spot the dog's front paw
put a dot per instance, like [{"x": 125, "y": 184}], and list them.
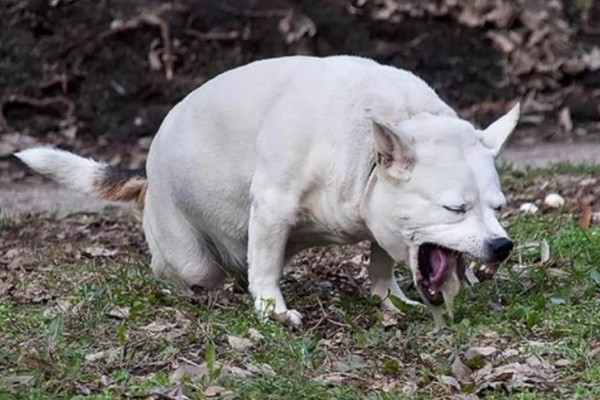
[
  {"x": 289, "y": 317},
  {"x": 267, "y": 309}
]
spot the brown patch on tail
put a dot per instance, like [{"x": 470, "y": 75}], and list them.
[{"x": 123, "y": 185}]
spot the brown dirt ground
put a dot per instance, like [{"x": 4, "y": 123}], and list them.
[{"x": 95, "y": 75}]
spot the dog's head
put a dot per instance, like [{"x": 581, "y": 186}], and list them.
[{"x": 435, "y": 187}]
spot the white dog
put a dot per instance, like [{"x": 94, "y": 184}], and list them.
[{"x": 280, "y": 155}]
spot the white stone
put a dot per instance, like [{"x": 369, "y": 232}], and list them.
[
  {"x": 554, "y": 200},
  {"x": 528, "y": 208}
]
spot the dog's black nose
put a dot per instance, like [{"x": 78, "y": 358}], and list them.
[{"x": 500, "y": 248}]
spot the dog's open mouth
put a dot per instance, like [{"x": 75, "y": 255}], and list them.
[{"x": 435, "y": 263}]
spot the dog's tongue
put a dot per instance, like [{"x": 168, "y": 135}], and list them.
[{"x": 439, "y": 263}]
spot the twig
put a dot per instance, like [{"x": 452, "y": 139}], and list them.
[
  {"x": 272, "y": 13},
  {"x": 69, "y": 114},
  {"x": 41, "y": 103},
  {"x": 222, "y": 36},
  {"x": 62, "y": 79},
  {"x": 152, "y": 20}
]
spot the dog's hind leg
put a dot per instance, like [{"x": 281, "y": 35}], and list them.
[
  {"x": 383, "y": 282},
  {"x": 179, "y": 253}
]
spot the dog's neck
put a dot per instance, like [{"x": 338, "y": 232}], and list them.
[{"x": 368, "y": 189}]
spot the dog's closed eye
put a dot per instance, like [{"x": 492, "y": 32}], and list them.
[{"x": 457, "y": 209}]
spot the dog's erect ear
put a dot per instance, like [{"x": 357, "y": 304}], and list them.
[
  {"x": 394, "y": 151},
  {"x": 495, "y": 135}
]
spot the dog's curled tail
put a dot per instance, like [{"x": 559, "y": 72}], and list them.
[{"x": 87, "y": 175}]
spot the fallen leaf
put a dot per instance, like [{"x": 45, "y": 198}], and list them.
[
  {"x": 485, "y": 352},
  {"x": 427, "y": 358},
  {"x": 586, "y": 217},
  {"x": 536, "y": 372},
  {"x": 450, "y": 382},
  {"x": 502, "y": 41},
  {"x": 196, "y": 371},
  {"x": 255, "y": 335},
  {"x": 109, "y": 355},
  {"x": 333, "y": 378},
  {"x": 84, "y": 390},
  {"x": 490, "y": 334},
  {"x": 189, "y": 370},
  {"x": 31, "y": 359},
  {"x": 63, "y": 306},
  {"x": 510, "y": 353},
  {"x": 409, "y": 388},
  {"x": 354, "y": 362},
  {"x": 460, "y": 370},
  {"x": 238, "y": 343},
  {"x": 261, "y": 369},
  {"x": 157, "y": 327},
  {"x": 174, "y": 392},
  {"x": 236, "y": 372},
  {"x": 214, "y": 391},
  {"x": 563, "y": 362},
  {"x": 294, "y": 26},
  {"x": 588, "y": 182},
  {"x": 118, "y": 312},
  {"x": 15, "y": 383},
  {"x": 538, "y": 362},
  {"x": 389, "y": 318},
  {"x": 544, "y": 251}
]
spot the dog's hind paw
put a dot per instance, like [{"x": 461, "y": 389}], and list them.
[{"x": 289, "y": 317}]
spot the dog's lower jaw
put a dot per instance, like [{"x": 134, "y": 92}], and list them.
[
  {"x": 383, "y": 281},
  {"x": 449, "y": 289}
]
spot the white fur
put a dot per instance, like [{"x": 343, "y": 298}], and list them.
[
  {"x": 276, "y": 156},
  {"x": 496, "y": 134},
  {"x": 64, "y": 167}
]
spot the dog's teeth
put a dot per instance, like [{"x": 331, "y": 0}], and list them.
[{"x": 432, "y": 292}]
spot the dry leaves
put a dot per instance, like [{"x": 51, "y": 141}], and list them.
[
  {"x": 118, "y": 312},
  {"x": 538, "y": 41},
  {"x": 15, "y": 383},
  {"x": 534, "y": 371},
  {"x": 255, "y": 335},
  {"x": 294, "y": 26},
  {"x": 189, "y": 369},
  {"x": 238, "y": 343},
  {"x": 585, "y": 219},
  {"x": 109, "y": 356},
  {"x": 214, "y": 391}
]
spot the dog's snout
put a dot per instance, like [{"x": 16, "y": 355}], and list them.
[{"x": 500, "y": 248}]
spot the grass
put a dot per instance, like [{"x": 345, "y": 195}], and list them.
[{"x": 61, "y": 338}]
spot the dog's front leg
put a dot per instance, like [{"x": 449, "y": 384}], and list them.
[
  {"x": 383, "y": 281},
  {"x": 270, "y": 222}
]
